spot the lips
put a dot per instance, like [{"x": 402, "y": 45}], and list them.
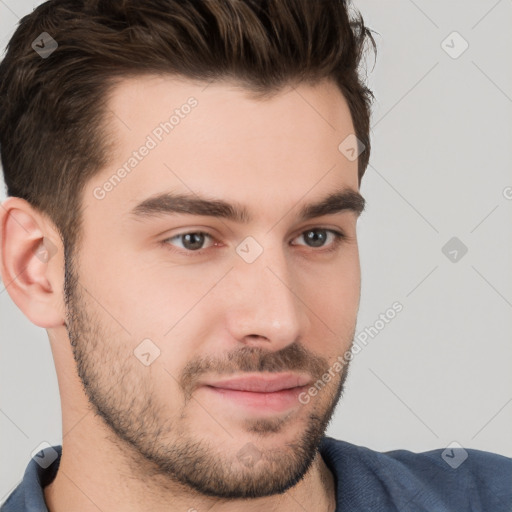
[{"x": 262, "y": 383}]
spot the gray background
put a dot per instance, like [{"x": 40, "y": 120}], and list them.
[{"x": 440, "y": 167}]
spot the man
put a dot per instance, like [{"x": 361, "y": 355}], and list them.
[{"x": 184, "y": 180}]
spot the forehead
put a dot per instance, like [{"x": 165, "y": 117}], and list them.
[
  {"x": 159, "y": 94},
  {"x": 215, "y": 139}
]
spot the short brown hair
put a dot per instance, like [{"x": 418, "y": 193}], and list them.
[{"x": 52, "y": 135}]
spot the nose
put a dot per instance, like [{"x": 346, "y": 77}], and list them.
[{"x": 264, "y": 306}]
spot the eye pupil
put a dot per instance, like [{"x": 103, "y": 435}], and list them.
[
  {"x": 196, "y": 240},
  {"x": 315, "y": 238},
  {"x": 317, "y": 241}
]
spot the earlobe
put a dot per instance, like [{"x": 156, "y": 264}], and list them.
[{"x": 30, "y": 266}]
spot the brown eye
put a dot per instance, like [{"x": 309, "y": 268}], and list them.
[
  {"x": 190, "y": 242},
  {"x": 317, "y": 237}
]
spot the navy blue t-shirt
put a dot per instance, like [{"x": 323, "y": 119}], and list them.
[{"x": 454, "y": 480}]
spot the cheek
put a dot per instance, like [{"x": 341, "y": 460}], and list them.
[
  {"x": 333, "y": 303},
  {"x": 334, "y": 292},
  {"x": 147, "y": 300}
]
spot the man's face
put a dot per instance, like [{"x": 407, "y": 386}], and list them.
[{"x": 168, "y": 310}]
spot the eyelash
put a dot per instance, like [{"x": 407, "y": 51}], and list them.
[{"x": 339, "y": 237}]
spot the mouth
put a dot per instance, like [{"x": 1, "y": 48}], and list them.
[{"x": 273, "y": 392}]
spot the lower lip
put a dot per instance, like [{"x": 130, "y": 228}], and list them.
[{"x": 276, "y": 401}]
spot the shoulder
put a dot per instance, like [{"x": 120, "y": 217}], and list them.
[
  {"x": 41, "y": 470},
  {"x": 447, "y": 479}
]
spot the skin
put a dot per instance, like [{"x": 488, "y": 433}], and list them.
[{"x": 139, "y": 437}]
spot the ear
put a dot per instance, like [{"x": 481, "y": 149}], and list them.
[{"x": 32, "y": 263}]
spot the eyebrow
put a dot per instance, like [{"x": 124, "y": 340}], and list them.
[{"x": 191, "y": 204}]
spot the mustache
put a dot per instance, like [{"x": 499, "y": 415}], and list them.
[{"x": 293, "y": 357}]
